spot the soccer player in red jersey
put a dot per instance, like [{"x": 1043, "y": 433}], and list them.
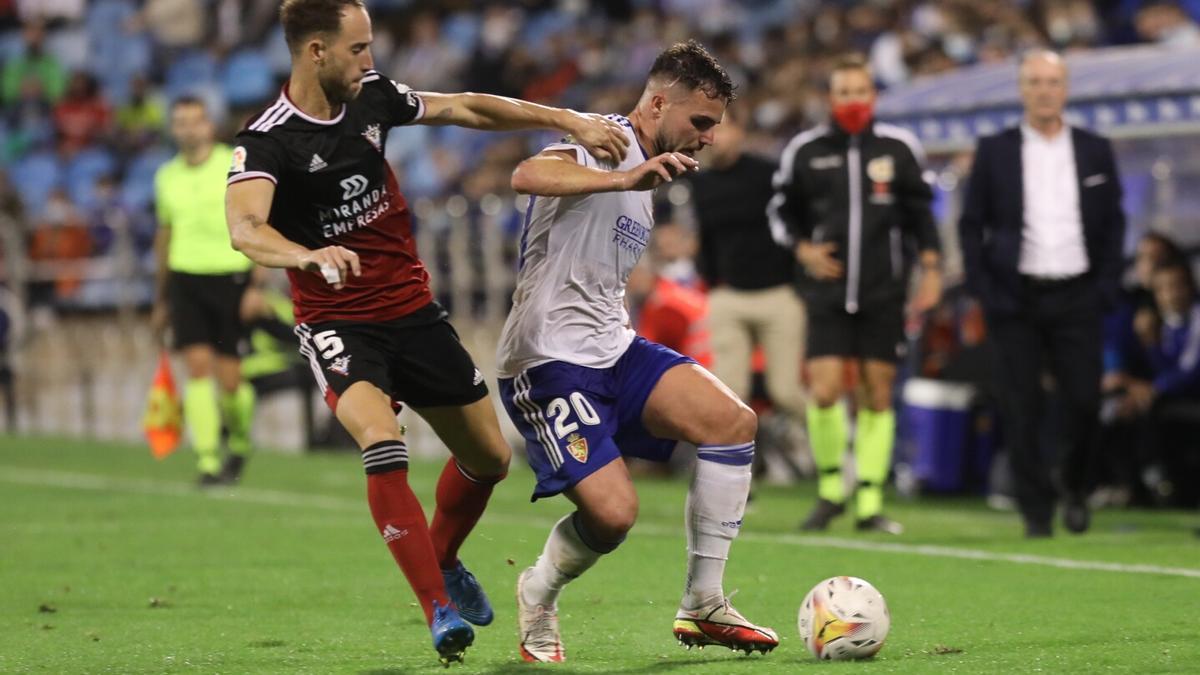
[{"x": 310, "y": 191}]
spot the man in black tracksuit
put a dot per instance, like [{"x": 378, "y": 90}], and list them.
[{"x": 847, "y": 196}]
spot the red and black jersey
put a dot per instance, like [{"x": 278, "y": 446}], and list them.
[{"x": 334, "y": 187}]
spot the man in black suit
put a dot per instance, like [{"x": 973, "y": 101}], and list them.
[{"x": 1042, "y": 232}]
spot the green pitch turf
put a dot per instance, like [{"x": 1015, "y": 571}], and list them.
[{"x": 111, "y": 562}]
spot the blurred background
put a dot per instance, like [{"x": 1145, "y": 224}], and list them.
[{"x": 86, "y": 87}]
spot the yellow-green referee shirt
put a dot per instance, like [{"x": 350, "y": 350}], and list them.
[{"x": 191, "y": 201}]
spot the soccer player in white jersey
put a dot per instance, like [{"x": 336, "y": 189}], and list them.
[{"x": 585, "y": 391}]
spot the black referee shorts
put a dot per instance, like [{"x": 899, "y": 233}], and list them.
[
  {"x": 205, "y": 309},
  {"x": 875, "y": 333},
  {"x": 417, "y": 359}
]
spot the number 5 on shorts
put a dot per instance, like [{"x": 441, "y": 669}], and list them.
[
  {"x": 559, "y": 410},
  {"x": 329, "y": 344}
]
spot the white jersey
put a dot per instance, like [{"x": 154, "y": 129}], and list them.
[{"x": 576, "y": 255}]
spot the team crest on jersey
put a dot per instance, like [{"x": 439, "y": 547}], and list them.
[
  {"x": 373, "y": 135},
  {"x": 239, "y": 160},
  {"x": 881, "y": 169},
  {"x": 340, "y": 365},
  {"x": 577, "y": 446}
]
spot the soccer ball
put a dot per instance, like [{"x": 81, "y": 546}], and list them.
[{"x": 844, "y": 618}]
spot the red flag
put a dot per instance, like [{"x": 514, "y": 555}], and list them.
[{"x": 163, "y": 421}]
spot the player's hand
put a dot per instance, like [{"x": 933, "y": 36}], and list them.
[
  {"x": 605, "y": 139},
  {"x": 929, "y": 292},
  {"x": 658, "y": 170},
  {"x": 818, "y": 260},
  {"x": 334, "y": 263},
  {"x": 159, "y": 316}
]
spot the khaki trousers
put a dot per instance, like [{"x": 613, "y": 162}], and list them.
[{"x": 772, "y": 317}]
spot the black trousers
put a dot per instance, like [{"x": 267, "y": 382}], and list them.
[{"x": 1059, "y": 331}]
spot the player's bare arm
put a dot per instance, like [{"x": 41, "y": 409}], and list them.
[
  {"x": 555, "y": 173},
  {"x": 601, "y": 136},
  {"x": 247, "y": 207}
]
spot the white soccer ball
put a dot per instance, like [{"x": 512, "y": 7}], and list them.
[{"x": 844, "y": 618}]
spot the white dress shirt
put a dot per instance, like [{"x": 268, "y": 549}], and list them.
[{"x": 1052, "y": 244}]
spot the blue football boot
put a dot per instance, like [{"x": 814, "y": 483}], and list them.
[
  {"x": 451, "y": 635},
  {"x": 468, "y": 596}
]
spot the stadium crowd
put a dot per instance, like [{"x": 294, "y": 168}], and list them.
[{"x": 86, "y": 86}]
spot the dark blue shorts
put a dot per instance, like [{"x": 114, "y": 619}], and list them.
[{"x": 577, "y": 419}]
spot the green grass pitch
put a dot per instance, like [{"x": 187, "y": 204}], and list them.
[{"x": 111, "y": 562}]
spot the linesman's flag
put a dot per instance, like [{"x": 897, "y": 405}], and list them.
[{"x": 163, "y": 421}]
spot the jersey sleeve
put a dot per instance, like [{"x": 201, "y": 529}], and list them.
[
  {"x": 395, "y": 103},
  {"x": 582, "y": 156},
  {"x": 255, "y": 156}
]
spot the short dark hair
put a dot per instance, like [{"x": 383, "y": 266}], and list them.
[
  {"x": 851, "y": 62},
  {"x": 188, "y": 99},
  {"x": 690, "y": 64},
  {"x": 302, "y": 18}
]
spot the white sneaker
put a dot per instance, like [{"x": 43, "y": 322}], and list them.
[
  {"x": 538, "y": 626},
  {"x": 724, "y": 626}
]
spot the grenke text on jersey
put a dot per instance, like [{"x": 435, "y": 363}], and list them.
[{"x": 354, "y": 214}]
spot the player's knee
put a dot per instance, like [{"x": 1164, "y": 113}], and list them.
[
  {"x": 825, "y": 395},
  {"x": 744, "y": 425},
  {"x": 377, "y": 433},
  {"x": 607, "y": 524}
]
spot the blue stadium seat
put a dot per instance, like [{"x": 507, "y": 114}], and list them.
[
  {"x": 246, "y": 78},
  {"x": 11, "y": 45},
  {"x": 70, "y": 47},
  {"x": 35, "y": 176},
  {"x": 196, "y": 68},
  {"x": 83, "y": 171},
  {"x": 462, "y": 30},
  {"x": 137, "y": 191}
]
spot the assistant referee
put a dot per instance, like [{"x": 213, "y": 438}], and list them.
[{"x": 200, "y": 283}]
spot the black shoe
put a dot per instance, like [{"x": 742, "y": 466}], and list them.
[
  {"x": 1076, "y": 516},
  {"x": 822, "y": 513},
  {"x": 1038, "y": 530},
  {"x": 207, "y": 480},
  {"x": 231, "y": 471},
  {"x": 879, "y": 523}
]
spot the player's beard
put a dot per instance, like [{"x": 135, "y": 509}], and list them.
[
  {"x": 337, "y": 91},
  {"x": 664, "y": 143}
]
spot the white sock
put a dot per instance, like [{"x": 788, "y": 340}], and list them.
[
  {"x": 715, "y": 504},
  {"x": 564, "y": 558}
]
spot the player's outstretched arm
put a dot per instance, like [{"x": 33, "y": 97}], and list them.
[
  {"x": 247, "y": 207},
  {"x": 555, "y": 173},
  {"x": 602, "y": 137}
]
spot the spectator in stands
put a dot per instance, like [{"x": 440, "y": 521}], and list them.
[
  {"x": 1123, "y": 453},
  {"x": 33, "y": 62},
  {"x": 141, "y": 119},
  {"x": 174, "y": 24},
  {"x": 58, "y": 239},
  {"x": 82, "y": 117},
  {"x": 1169, "y": 400},
  {"x": 53, "y": 11},
  {"x": 1166, "y": 23},
  {"x": 669, "y": 312},
  {"x": 29, "y": 120},
  {"x": 429, "y": 62},
  {"x": 1041, "y": 233}
]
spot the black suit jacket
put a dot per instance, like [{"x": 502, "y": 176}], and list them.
[{"x": 993, "y": 218}]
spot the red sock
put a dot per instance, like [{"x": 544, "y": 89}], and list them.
[
  {"x": 401, "y": 521},
  {"x": 461, "y": 499}
]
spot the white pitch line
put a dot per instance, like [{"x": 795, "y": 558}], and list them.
[{"x": 83, "y": 481}]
